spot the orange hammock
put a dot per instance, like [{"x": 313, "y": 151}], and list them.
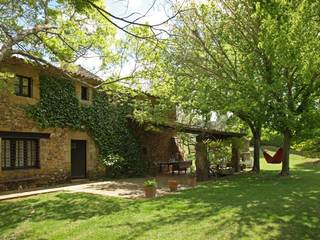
[{"x": 276, "y": 158}]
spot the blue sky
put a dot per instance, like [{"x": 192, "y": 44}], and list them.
[{"x": 123, "y": 8}]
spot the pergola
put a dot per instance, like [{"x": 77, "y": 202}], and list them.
[{"x": 202, "y": 135}]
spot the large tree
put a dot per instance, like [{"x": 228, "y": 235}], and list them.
[
  {"x": 257, "y": 59},
  {"x": 290, "y": 38},
  {"x": 66, "y": 30},
  {"x": 53, "y": 30},
  {"x": 217, "y": 62},
  {"x": 260, "y": 58},
  {"x": 204, "y": 66}
]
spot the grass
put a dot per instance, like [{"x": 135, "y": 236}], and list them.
[{"x": 239, "y": 207}]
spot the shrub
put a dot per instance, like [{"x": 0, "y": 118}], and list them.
[
  {"x": 150, "y": 183},
  {"x": 192, "y": 172}
]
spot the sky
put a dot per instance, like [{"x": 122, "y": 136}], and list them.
[
  {"x": 159, "y": 13},
  {"x": 122, "y": 8}
]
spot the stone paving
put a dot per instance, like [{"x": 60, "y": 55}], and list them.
[{"x": 126, "y": 188}]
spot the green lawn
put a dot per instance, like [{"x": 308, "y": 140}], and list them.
[{"x": 238, "y": 207}]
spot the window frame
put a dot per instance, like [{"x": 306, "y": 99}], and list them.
[
  {"x": 13, "y": 151},
  {"x": 87, "y": 96},
  {"x": 20, "y": 86}
]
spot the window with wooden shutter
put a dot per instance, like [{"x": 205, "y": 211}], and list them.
[{"x": 19, "y": 153}]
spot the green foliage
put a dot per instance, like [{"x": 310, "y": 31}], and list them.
[
  {"x": 271, "y": 138},
  {"x": 108, "y": 124},
  {"x": 104, "y": 120},
  {"x": 192, "y": 172},
  {"x": 150, "y": 183},
  {"x": 219, "y": 152},
  {"x": 308, "y": 142},
  {"x": 309, "y": 147},
  {"x": 237, "y": 143},
  {"x": 6, "y": 81},
  {"x": 256, "y": 59},
  {"x": 63, "y": 30},
  {"x": 59, "y": 105}
]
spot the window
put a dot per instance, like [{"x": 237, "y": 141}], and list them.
[
  {"x": 22, "y": 86},
  {"x": 19, "y": 153},
  {"x": 84, "y": 93}
]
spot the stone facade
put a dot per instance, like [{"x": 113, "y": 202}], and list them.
[
  {"x": 157, "y": 145},
  {"x": 55, "y": 152}
]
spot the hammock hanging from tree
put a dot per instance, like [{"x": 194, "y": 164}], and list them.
[{"x": 276, "y": 158}]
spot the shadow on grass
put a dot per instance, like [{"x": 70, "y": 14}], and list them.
[
  {"x": 61, "y": 206},
  {"x": 250, "y": 206},
  {"x": 272, "y": 206}
]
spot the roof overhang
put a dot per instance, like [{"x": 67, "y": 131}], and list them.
[
  {"x": 202, "y": 133},
  {"x": 83, "y": 76}
]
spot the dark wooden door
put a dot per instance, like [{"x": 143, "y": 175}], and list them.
[{"x": 78, "y": 158}]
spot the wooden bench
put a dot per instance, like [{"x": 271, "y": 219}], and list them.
[
  {"x": 181, "y": 166},
  {"x": 29, "y": 179},
  {"x": 17, "y": 183}
]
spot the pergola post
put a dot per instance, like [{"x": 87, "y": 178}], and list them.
[
  {"x": 202, "y": 164},
  {"x": 235, "y": 159}
]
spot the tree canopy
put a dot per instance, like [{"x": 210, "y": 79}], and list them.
[
  {"x": 63, "y": 30},
  {"x": 255, "y": 59}
]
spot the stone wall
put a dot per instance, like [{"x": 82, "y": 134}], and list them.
[
  {"x": 55, "y": 152},
  {"x": 157, "y": 145}
]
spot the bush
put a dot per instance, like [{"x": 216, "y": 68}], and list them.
[
  {"x": 150, "y": 183},
  {"x": 271, "y": 138},
  {"x": 192, "y": 172},
  {"x": 219, "y": 152}
]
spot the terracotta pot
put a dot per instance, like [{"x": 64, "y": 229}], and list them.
[
  {"x": 173, "y": 185},
  {"x": 150, "y": 192},
  {"x": 192, "y": 181}
]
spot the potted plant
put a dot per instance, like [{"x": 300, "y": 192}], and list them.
[
  {"x": 192, "y": 180},
  {"x": 173, "y": 185},
  {"x": 150, "y": 188}
]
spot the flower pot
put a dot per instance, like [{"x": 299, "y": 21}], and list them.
[
  {"x": 150, "y": 192},
  {"x": 192, "y": 181},
  {"x": 173, "y": 185}
]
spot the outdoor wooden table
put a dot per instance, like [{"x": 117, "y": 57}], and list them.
[
  {"x": 176, "y": 166},
  {"x": 161, "y": 164}
]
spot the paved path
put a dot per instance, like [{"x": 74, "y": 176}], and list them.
[
  {"x": 29, "y": 193},
  {"x": 126, "y": 188}
]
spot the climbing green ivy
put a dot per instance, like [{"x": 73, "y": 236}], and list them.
[
  {"x": 58, "y": 106},
  {"x": 104, "y": 120}
]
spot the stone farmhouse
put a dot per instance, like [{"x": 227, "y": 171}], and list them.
[{"x": 32, "y": 154}]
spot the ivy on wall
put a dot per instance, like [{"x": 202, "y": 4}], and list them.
[
  {"x": 104, "y": 120},
  {"x": 58, "y": 106}
]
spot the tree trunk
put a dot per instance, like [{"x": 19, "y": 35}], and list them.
[
  {"x": 286, "y": 153},
  {"x": 202, "y": 164},
  {"x": 256, "y": 132},
  {"x": 256, "y": 153},
  {"x": 235, "y": 159}
]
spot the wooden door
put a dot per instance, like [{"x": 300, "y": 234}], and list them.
[{"x": 78, "y": 158}]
